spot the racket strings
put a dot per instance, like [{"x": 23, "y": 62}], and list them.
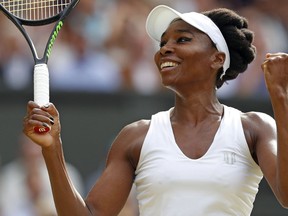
[{"x": 35, "y": 9}]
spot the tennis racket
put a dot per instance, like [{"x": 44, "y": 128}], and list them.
[{"x": 37, "y": 13}]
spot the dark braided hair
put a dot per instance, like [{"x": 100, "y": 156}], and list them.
[{"x": 239, "y": 40}]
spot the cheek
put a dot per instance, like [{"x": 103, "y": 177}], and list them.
[
  {"x": 157, "y": 58},
  {"x": 198, "y": 60}
]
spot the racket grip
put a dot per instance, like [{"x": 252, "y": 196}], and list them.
[{"x": 41, "y": 84}]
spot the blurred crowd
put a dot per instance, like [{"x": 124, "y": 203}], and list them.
[{"x": 103, "y": 47}]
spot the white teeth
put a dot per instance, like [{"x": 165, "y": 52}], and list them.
[{"x": 168, "y": 64}]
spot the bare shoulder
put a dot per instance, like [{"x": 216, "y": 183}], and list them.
[
  {"x": 137, "y": 128},
  {"x": 257, "y": 119},
  {"x": 130, "y": 140},
  {"x": 260, "y": 131}
]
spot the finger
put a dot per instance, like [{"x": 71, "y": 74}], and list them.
[
  {"x": 30, "y": 125},
  {"x": 51, "y": 109},
  {"x": 264, "y": 64},
  {"x": 42, "y": 118},
  {"x": 279, "y": 54},
  {"x": 36, "y": 112},
  {"x": 38, "y": 117},
  {"x": 31, "y": 105}
]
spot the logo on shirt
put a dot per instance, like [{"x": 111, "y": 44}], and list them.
[{"x": 230, "y": 157}]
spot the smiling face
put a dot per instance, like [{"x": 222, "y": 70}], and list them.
[{"x": 187, "y": 56}]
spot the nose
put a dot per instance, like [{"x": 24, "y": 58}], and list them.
[{"x": 167, "y": 49}]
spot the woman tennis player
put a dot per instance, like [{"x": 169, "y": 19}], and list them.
[{"x": 200, "y": 157}]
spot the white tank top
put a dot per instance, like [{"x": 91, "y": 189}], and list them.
[{"x": 223, "y": 182}]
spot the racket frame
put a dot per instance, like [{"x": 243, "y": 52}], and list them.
[{"x": 19, "y": 23}]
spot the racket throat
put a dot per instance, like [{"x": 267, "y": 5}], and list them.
[{"x": 52, "y": 39}]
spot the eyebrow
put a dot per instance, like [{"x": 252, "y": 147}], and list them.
[{"x": 179, "y": 31}]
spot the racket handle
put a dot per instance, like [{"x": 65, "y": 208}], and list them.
[{"x": 41, "y": 84}]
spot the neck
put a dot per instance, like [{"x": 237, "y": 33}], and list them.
[{"x": 197, "y": 107}]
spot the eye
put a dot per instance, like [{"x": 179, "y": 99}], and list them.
[
  {"x": 183, "y": 39},
  {"x": 162, "y": 43}
]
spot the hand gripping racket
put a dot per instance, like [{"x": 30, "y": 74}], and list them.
[{"x": 38, "y": 13}]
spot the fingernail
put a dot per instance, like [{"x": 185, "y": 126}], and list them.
[
  {"x": 51, "y": 120},
  {"x": 41, "y": 129},
  {"x": 47, "y": 105},
  {"x": 45, "y": 124}
]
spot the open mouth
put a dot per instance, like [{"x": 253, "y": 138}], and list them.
[{"x": 168, "y": 64}]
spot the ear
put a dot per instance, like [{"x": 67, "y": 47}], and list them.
[{"x": 218, "y": 59}]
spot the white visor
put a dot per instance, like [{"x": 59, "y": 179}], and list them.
[{"x": 161, "y": 16}]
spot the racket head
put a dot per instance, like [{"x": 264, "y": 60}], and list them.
[{"x": 36, "y": 12}]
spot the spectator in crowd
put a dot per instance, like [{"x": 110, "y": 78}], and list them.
[
  {"x": 16, "y": 62},
  {"x": 83, "y": 64},
  {"x": 24, "y": 183},
  {"x": 83, "y": 69},
  {"x": 129, "y": 45}
]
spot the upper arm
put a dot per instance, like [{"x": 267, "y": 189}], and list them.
[
  {"x": 111, "y": 190},
  {"x": 262, "y": 136}
]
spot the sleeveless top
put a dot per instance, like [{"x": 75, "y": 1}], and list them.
[{"x": 224, "y": 181}]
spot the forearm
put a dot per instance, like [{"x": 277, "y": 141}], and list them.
[
  {"x": 67, "y": 199},
  {"x": 280, "y": 108}
]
